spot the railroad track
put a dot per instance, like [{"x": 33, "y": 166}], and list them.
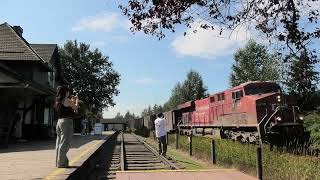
[{"x": 128, "y": 152}]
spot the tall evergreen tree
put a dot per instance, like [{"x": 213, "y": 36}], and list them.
[
  {"x": 175, "y": 98},
  {"x": 303, "y": 79},
  {"x": 253, "y": 63},
  {"x": 149, "y": 110},
  {"x": 193, "y": 87},
  {"x": 157, "y": 109}
]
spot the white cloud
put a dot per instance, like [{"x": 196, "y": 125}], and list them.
[
  {"x": 207, "y": 43},
  {"x": 122, "y": 109},
  {"x": 102, "y": 22},
  {"x": 145, "y": 81},
  {"x": 121, "y": 38},
  {"x": 98, "y": 43}
]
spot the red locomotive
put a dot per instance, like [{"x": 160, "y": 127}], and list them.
[
  {"x": 250, "y": 112},
  {"x": 245, "y": 113}
]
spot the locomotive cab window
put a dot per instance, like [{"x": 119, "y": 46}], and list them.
[
  {"x": 237, "y": 95},
  {"x": 255, "y": 89},
  {"x": 220, "y": 96},
  {"x": 212, "y": 99}
]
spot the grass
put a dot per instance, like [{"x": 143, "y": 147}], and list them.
[
  {"x": 312, "y": 123},
  {"x": 276, "y": 165}
]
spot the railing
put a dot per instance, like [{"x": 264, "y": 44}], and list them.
[
  {"x": 262, "y": 120},
  {"x": 294, "y": 112},
  {"x": 265, "y": 125},
  {"x": 265, "y": 116}
]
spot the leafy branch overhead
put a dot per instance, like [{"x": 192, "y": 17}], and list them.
[
  {"x": 284, "y": 21},
  {"x": 91, "y": 74}
]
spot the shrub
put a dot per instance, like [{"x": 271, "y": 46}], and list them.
[{"x": 312, "y": 123}]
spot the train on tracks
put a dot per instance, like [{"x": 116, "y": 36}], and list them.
[{"x": 252, "y": 112}]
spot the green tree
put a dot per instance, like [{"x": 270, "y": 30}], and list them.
[
  {"x": 146, "y": 112},
  {"x": 175, "y": 98},
  {"x": 166, "y": 106},
  {"x": 91, "y": 74},
  {"x": 119, "y": 117},
  {"x": 191, "y": 89},
  {"x": 303, "y": 79},
  {"x": 157, "y": 109},
  {"x": 253, "y": 63},
  {"x": 149, "y": 110},
  {"x": 129, "y": 116}
]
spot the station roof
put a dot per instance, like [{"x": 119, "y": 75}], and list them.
[
  {"x": 45, "y": 51},
  {"x": 13, "y": 47}
]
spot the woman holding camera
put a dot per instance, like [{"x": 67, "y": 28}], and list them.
[{"x": 66, "y": 107}]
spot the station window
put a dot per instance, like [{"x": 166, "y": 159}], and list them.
[
  {"x": 237, "y": 95},
  {"x": 212, "y": 99}
]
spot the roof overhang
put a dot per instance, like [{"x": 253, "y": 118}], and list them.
[
  {"x": 38, "y": 89},
  {"x": 20, "y": 82},
  {"x": 42, "y": 63}
]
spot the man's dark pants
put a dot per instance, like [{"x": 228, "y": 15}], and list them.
[{"x": 162, "y": 142}]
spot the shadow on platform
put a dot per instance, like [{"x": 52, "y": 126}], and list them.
[{"x": 39, "y": 145}]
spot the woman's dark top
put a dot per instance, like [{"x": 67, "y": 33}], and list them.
[{"x": 64, "y": 112}]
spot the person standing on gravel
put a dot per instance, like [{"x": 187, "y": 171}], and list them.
[{"x": 160, "y": 129}]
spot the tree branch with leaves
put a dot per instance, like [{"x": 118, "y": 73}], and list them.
[{"x": 292, "y": 23}]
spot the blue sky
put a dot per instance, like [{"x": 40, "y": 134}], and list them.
[{"x": 149, "y": 68}]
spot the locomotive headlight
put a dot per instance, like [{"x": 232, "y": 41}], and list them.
[
  {"x": 278, "y": 118},
  {"x": 301, "y": 118},
  {"x": 279, "y": 98}
]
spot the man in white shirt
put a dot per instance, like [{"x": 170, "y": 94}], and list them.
[{"x": 160, "y": 129}]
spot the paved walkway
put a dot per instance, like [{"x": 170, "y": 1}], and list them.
[
  {"x": 36, "y": 160},
  {"x": 218, "y": 174}
]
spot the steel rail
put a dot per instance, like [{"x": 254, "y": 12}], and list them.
[
  {"x": 155, "y": 152},
  {"x": 122, "y": 155}
]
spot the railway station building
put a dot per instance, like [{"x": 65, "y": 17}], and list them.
[{"x": 29, "y": 74}]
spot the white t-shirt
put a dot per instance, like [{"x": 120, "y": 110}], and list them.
[{"x": 160, "y": 127}]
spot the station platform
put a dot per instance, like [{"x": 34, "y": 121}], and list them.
[
  {"x": 219, "y": 174},
  {"x": 36, "y": 159}
]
